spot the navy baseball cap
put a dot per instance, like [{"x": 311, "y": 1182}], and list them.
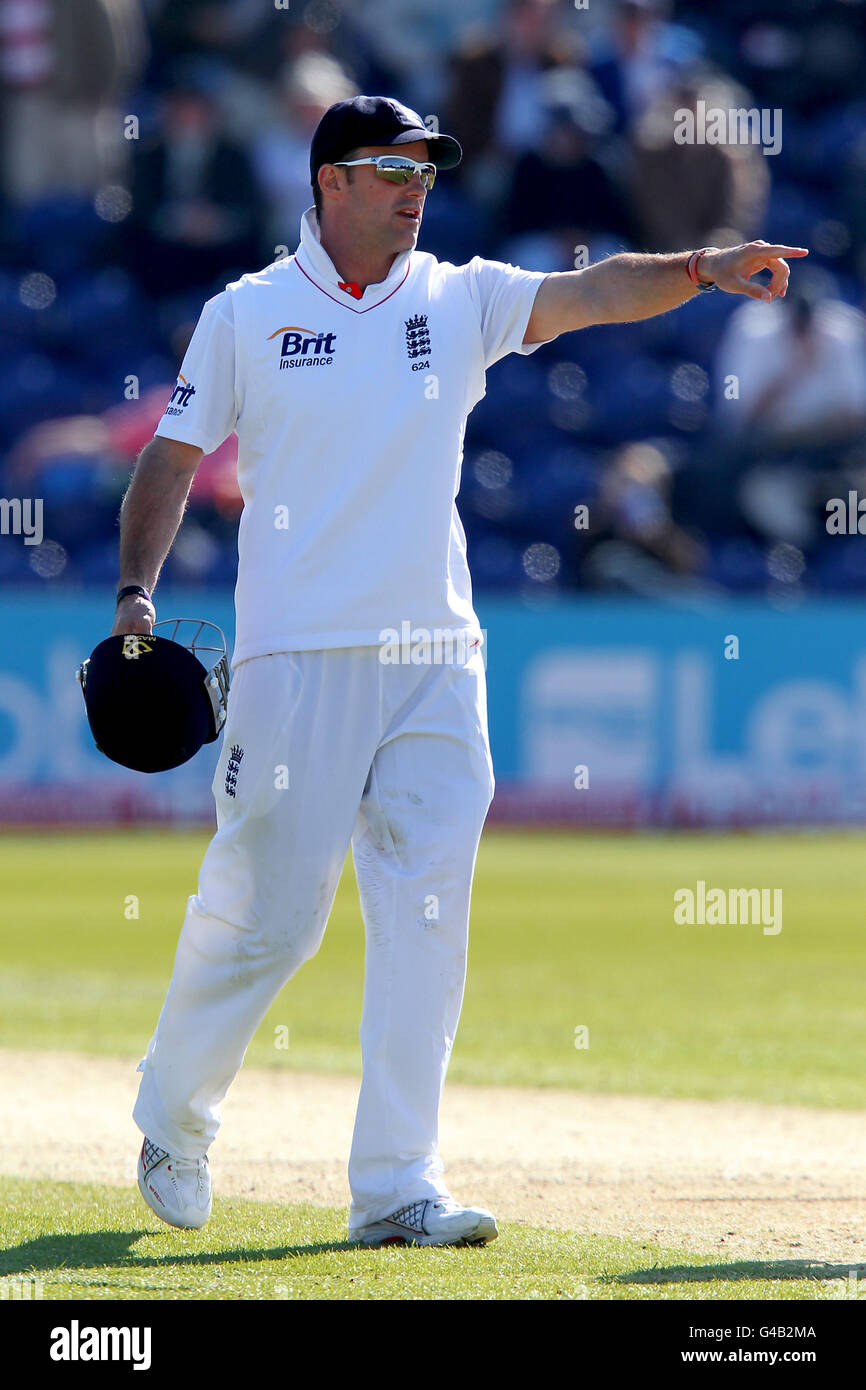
[{"x": 349, "y": 125}]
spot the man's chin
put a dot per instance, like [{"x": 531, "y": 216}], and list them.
[{"x": 408, "y": 235}]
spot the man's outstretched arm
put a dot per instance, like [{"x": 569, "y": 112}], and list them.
[
  {"x": 149, "y": 519},
  {"x": 633, "y": 286}
]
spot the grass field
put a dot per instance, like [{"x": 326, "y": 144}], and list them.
[
  {"x": 71, "y": 1241},
  {"x": 567, "y": 930}
]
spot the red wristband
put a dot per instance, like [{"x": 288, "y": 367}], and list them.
[{"x": 692, "y": 268}]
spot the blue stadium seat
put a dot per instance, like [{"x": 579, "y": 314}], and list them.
[
  {"x": 739, "y": 564},
  {"x": 60, "y": 236},
  {"x": 38, "y": 388},
  {"x": 496, "y": 561},
  {"x": 454, "y": 228},
  {"x": 841, "y": 566}
]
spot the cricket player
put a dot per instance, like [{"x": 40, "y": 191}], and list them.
[{"x": 348, "y": 371}]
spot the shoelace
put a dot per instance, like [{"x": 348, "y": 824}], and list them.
[{"x": 193, "y": 1166}]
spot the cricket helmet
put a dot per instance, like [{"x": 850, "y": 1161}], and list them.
[{"x": 151, "y": 702}]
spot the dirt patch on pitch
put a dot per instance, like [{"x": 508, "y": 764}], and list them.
[{"x": 738, "y": 1180}]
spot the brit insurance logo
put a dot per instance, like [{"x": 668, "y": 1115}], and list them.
[
  {"x": 418, "y": 340},
  {"x": 180, "y": 396},
  {"x": 304, "y": 347}
]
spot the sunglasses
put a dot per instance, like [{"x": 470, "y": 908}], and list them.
[{"x": 395, "y": 168}]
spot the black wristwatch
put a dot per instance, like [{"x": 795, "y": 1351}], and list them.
[{"x": 133, "y": 589}]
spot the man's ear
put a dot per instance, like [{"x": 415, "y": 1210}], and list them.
[{"x": 329, "y": 178}]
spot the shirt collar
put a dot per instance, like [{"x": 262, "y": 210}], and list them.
[{"x": 315, "y": 262}]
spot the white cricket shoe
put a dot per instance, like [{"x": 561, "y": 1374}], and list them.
[
  {"x": 177, "y": 1189},
  {"x": 440, "y": 1222}
]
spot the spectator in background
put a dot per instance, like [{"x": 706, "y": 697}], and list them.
[
  {"x": 249, "y": 40},
  {"x": 403, "y": 44},
  {"x": 353, "y": 39},
  {"x": 799, "y": 369},
  {"x": 227, "y": 33},
  {"x": 237, "y": 46},
  {"x": 638, "y": 57},
  {"x": 562, "y": 195},
  {"x": 495, "y": 105},
  {"x": 700, "y": 194},
  {"x": 197, "y": 210},
  {"x": 281, "y": 152},
  {"x": 64, "y": 65},
  {"x": 635, "y": 545}
]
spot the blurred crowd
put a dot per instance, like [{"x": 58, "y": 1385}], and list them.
[{"x": 153, "y": 150}]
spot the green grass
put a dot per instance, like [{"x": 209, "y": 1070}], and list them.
[
  {"x": 567, "y": 930},
  {"x": 74, "y": 1241}
]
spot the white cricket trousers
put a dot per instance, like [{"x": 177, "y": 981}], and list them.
[{"x": 322, "y": 749}]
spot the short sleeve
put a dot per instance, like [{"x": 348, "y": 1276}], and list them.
[
  {"x": 203, "y": 407},
  {"x": 504, "y": 296}
]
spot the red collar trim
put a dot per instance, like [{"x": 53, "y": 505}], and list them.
[{"x": 343, "y": 301}]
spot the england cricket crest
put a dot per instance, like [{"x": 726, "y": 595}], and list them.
[
  {"x": 233, "y": 768},
  {"x": 417, "y": 336}
]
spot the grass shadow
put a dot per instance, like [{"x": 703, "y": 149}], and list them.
[
  {"x": 740, "y": 1269},
  {"x": 98, "y": 1249}
]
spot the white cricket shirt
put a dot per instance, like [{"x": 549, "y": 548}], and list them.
[{"x": 350, "y": 415}]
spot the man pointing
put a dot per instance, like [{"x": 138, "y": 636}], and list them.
[{"x": 348, "y": 371}]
